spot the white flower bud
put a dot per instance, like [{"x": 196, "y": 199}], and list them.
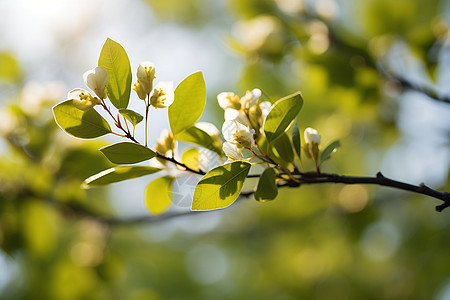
[
  {"x": 311, "y": 136},
  {"x": 97, "y": 79},
  {"x": 140, "y": 90},
  {"x": 146, "y": 74}
]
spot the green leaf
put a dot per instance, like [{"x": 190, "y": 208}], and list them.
[
  {"x": 196, "y": 136},
  {"x": 131, "y": 116},
  {"x": 297, "y": 141},
  {"x": 221, "y": 186},
  {"x": 189, "y": 103},
  {"x": 267, "y": 188},
  {"x": 283, "y": 112},
  {"x": 82, "y": 124},
  {"x": 115, "y": 60},
  {"x": 328, "y": 152},
  {"x": 117, "y": 174},
  {"x": 158, "y": 195},
  {"x": 190, "y": 158},
  {"x": 279, "y": 150},
  {"x": 127, "y": 153}
]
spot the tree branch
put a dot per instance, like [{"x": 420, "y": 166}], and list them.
[
  {"x": 425, "y": 90},
  {"x": 303, "y": 178},
  {"x": 314, "y": 178}
]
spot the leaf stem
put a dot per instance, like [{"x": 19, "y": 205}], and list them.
[{"x": 147, "y": 106}]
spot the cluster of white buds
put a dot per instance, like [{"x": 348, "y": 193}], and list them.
[
  {"x": 95, "y": 79},
  {"x": 244, "y": 119},
  {"x": 246, "y": 110},
  {"x": 161, "y": 96}
]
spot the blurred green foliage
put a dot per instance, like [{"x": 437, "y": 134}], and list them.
[{"x": 314, "y": 242}]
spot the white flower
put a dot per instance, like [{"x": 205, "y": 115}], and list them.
[
  {"x": 163, "y": 95},
  {"x": 82, "y": 99},
  {"x": 229, "y": 100},
  {"x": 239, "y": 109},
  {"x": 96, "y": 79},
  {"x": 311, "y": 136},
  {"x": 146, "y": 74},
  {"x": 238, "y": 134},
  {"x": 232, "y": 151}
]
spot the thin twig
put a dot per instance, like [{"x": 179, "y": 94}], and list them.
[{"x": 173, "y": 160}]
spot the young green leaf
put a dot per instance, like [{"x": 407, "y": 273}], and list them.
[
  {"x": 283, "y": 112},
  {"x": 82, "y": 124},
  {"x": 115, "y": 60},
  {"x": 127, "y": 153},
  {"x": 221, "y": 186},
  {"x": 117, "y": 174},
  {"x": 190, "y": 158},
  {"x": 280, "y": 150},
  {"x": 196, "y": 136},
  {"x": 158, "y": 195},
  {"x": 189, "y": 103},
  {"x": 328, "y": 152},
  {"x": 297, "y": 141},
  {"x": 131, "y": 116},
  {"x": 267, "y": 188}
]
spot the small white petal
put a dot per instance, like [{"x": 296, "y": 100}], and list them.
[
  {"x": 75, "y": 94},
  {"x": 223, "y": 100},
  {"x": 82, "y": 99},
  {"x": 256, "y": 93},
  {"x": 232, "y": 151},
  {"x": 228, "y": 129},
  {"x": 237, "y": 115},
  {"x": 97, "y": 79}
]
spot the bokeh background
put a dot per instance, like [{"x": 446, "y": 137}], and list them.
[{"x": 348, "y": 57}]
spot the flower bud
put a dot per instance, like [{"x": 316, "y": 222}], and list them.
[
  {"x": 250, "y": 98},
  {"x": 97, "y": 79},
  {"x": 82, "y": 99},
  {"x": 311, "y": 136},
  {"x": 254, "y": 115},
  {"x": 146, "y": 74},
  {"x": 139, "y": 90}
]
